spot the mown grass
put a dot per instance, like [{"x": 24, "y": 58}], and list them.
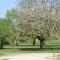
[{"x": 51, "y": 46}]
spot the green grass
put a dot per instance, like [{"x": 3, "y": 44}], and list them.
[
  {"x": 53, "y": 42},
  {"x": 27, "y": 49},
  {"x": 51, "y": 46}
]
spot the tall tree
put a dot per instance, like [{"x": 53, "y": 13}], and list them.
[{"x": 37, "y": 16}]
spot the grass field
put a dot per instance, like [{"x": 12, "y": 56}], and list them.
[{"x": 51, "y": 46}]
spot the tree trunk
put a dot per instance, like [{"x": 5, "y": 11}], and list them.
[
  {"x": 16, "y": 43},
  {"x": 34, "y": 42},
  {"x": 1, "y": 44},
  {"x": 41, "y": 44}
]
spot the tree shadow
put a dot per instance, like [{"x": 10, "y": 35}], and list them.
[
  {"x": 30, "y": 49},
  {"x": 36, "y": 48},
  {"x": 46, "y": 48}
]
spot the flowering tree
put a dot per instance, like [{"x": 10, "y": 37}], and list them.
[{"x": 34, "y": 17}]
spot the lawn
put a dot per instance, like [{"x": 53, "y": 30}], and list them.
[{"x": 51, "y": 46}]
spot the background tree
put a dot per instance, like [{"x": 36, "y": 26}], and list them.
[{"x": 4, "y": 30}]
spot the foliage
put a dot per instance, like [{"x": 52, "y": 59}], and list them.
[
  {"x": 10, "y": 14},
  {"x": 4, "y": 27},
  {"x": 36, "y": 17},
  {"x": 6, "y": 30}
]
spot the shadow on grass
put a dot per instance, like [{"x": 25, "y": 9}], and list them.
[
  {"x": 39, "y": 49},
  {"x": 46, "y": 48},
  {"x": 34, "y": 48},
  {"x": 2, "y": 54}
]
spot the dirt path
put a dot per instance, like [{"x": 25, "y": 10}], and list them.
[{"x": 29, "y": 56}]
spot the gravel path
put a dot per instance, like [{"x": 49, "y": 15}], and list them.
[{"x": 29, "y": 56}]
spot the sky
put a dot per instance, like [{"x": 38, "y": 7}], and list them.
[{"x": 6, "y": 5}]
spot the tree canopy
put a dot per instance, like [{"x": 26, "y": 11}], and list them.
[{"x": 34, "y": 17}]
